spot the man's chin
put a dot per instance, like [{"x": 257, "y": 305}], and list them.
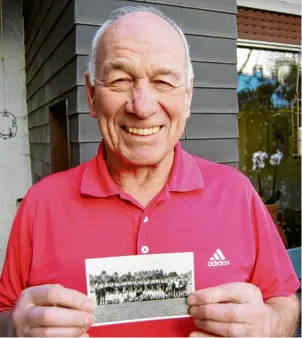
[
  {"x": 144, "y": 158},
  {"x": 144, "y": 161}
]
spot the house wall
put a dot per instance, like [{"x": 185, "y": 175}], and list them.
[
  {"x": 51, "y": 73},
  {"x": 15, "y": 176},
  {"x": 265, "y": 26},
  {"x": 58, "y": 38},
  {"x": 210, "y": 27}
]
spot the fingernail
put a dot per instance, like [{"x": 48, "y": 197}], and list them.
[
  {"x": 90, "y": 304},
  {"x": 90, "y": 319},
  {"x": 193, "y": 310},
  {"x": 192, "y": 300},
  {"x": 195, "y": 334}
]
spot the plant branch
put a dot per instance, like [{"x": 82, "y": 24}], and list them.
[
  {"x": 245, "y": 62},
  {"x": 274, "y": 182},
  {"x": 259, "y": 183}
]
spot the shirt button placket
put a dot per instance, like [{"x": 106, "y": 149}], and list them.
[{"x": 142, "y": 247}]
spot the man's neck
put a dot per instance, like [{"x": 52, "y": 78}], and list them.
[{"x": 142, "y": 183}]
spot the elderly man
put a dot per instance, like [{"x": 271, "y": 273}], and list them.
[{"x": 143, "y": 194}]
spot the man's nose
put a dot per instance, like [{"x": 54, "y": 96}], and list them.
[{"x": 142, "y": 103}]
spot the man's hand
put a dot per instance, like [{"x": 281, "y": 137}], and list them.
[
  {"x": 52, "y": 311},
  {"x": 230, "y": 310}
]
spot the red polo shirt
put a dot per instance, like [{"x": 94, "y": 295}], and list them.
[{"x": 205, "y": 208}]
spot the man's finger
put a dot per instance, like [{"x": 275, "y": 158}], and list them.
[
  {"x": 232, "y": 292},
  {"x": 222, "y": 312},
  {"x": 222, "y": 329},
  {"x": 56, "y": 295},
  {"x": 37, "y": 316},
  {"x": 200, "y": 334},
  {"x": 56, "y": 332}
]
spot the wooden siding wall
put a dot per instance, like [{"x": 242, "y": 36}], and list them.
[{"x": 51, "y": 73}]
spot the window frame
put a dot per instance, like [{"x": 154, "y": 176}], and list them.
[{"x": 268, "y": 45}]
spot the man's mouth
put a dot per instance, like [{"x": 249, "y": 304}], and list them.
[{"x": 143, "y": 131}]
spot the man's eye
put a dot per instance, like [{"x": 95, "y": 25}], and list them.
[
  {"x": 121, "y": 84},
  {"x": 121, "y": 81},
  {"x": 126, "y": 83},
  {"x": 163, "y": 84}
]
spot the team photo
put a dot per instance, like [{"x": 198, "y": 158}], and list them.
[{"x": 142, "y": 287}]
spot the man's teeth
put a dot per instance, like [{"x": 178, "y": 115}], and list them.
[{"x": 143, "y": 131}]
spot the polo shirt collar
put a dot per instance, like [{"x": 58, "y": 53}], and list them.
[
  {"x": 96, "y": 180},
  {"x": 185, "y": 174}
]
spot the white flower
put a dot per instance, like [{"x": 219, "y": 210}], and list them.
[
  {"x": 275, "y": 159},
  {"x": 258, "y": 160}
]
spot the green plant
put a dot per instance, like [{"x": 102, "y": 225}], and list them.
[{"x": 259, "y": 158}]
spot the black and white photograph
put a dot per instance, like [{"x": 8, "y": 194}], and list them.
[{"x": 141, "y": 287}]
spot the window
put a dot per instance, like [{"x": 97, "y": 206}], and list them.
[{"x": 268, "y": 84}]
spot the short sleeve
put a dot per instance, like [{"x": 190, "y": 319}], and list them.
[
  {"x": 273, "y": 271},
  {"x": 17, "y": 261}
]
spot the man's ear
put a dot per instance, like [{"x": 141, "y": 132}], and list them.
[
  {"x": 90, "y": 91},
  {"x": 188, "y": 98}
]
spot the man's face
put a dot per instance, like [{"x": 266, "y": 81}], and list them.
[{"x": 140, "y": 99}]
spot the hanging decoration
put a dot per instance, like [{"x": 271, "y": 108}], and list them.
[
  {"x": 8, "y": 121},
  {"x": 9, "y": 132}
]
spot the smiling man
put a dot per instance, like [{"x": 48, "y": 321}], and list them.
[
  {"x": 140, "y": 89},
  {"x": 142, "y": 194}
]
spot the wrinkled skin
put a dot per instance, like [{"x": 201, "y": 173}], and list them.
[{"x": 52, "y": 311}]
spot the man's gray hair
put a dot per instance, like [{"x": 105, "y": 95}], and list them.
[{"x": 120, "y": 12}]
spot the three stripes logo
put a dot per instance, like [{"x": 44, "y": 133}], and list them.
[{"x": 218, "y": 259}]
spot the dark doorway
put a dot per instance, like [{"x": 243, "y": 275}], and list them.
[{"x": 59, "y": 137}]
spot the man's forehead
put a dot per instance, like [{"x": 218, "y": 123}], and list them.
[
  {"x": 143, "y": 29},
  {"x": 138, "y": 22}
]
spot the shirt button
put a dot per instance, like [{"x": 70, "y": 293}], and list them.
[
  {"x": 146, "y": 219},
  {"x": 145, "y": 249}
]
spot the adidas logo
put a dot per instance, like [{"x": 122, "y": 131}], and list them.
[{"x": 218, "y": 259}]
